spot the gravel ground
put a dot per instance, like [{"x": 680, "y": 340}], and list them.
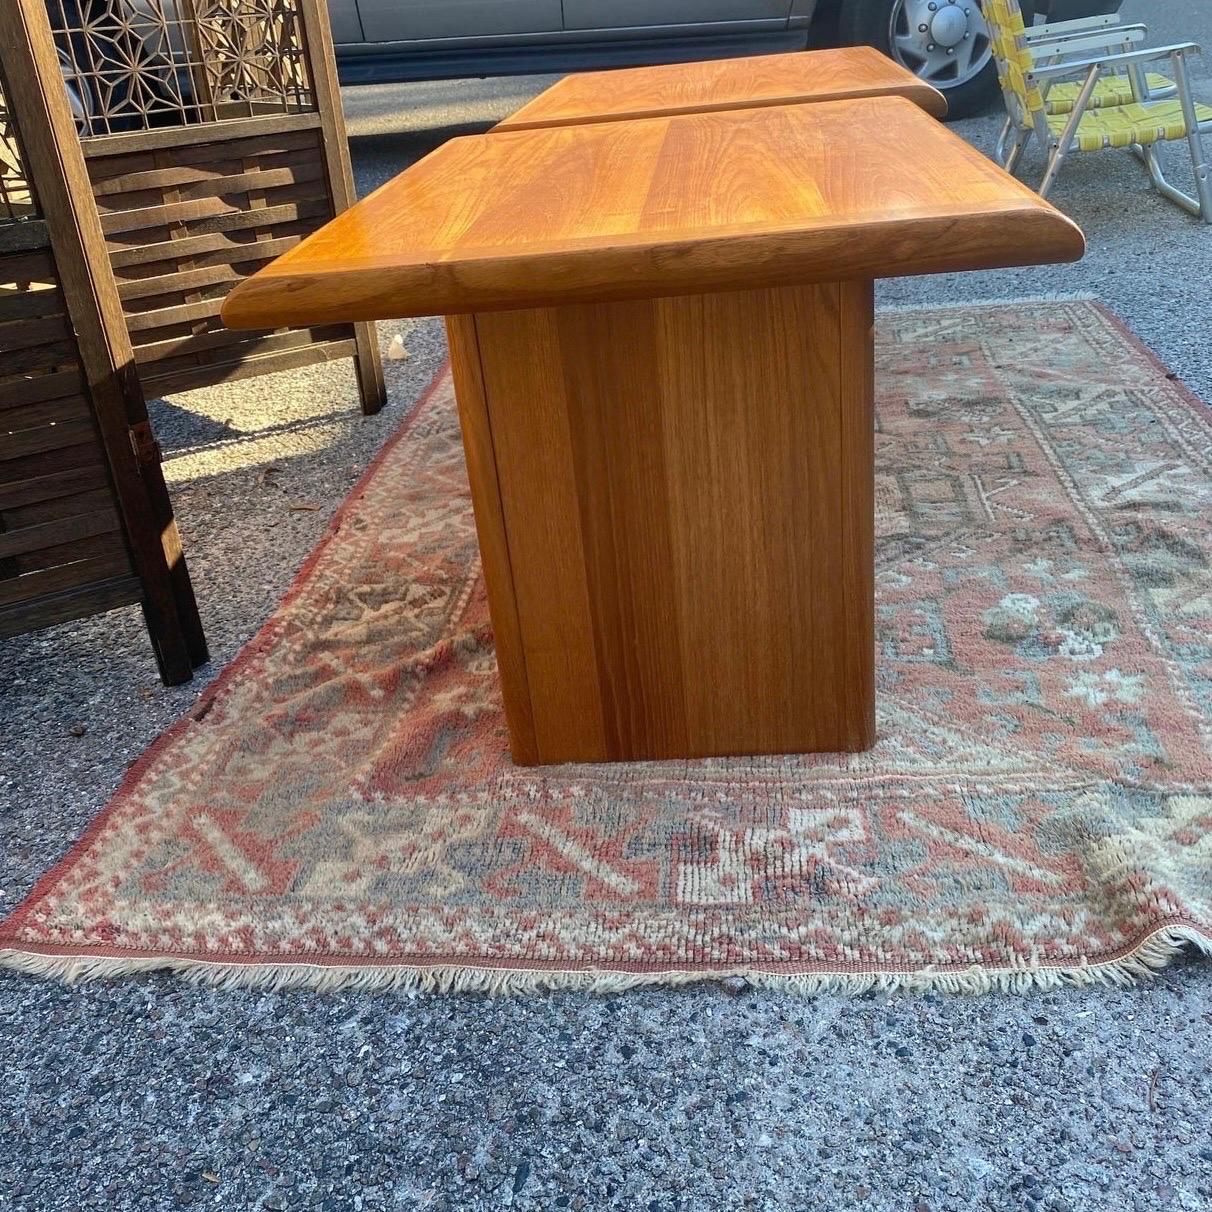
[{"x": 152, "y": 1093}]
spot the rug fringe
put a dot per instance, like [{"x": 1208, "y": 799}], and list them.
[
  {"x": 1154, "y": 952},
  {"x": 1056, "y": 296}
]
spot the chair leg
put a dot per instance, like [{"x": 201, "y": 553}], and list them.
[
  {"x": 1194, "y": 206},
  {"x": 1062, "y": 143},
  {"x": 999, "y": 150},
  {"x": 1015, "y": 154},
  {"x": 1055, "y": 159},
  {"x": 1201, "y": 205},
  {"x": 1199, "y": 162}
]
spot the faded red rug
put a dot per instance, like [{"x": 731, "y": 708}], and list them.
[{"x": 341, "y": 810}]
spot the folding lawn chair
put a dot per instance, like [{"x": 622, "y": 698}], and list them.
[
  {"x": 1059, "y": 41},
  {"x": 1138, "y": 124}
]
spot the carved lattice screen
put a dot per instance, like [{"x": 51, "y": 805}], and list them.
[
  {"x": 85, "y": 522},
  {"x": 138, "y": 64},
  {"x": 214, "y": 140}
]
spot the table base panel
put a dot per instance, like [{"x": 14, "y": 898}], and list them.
[{"x": 674, "y": 505}]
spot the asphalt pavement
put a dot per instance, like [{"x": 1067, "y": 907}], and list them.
[{"x": 155, "y": 1094}]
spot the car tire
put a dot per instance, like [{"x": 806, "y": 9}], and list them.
[{"x": 877, "y": 22}]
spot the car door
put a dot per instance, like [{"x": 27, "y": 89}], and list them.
[
  {"x": 425, "y": 20},
  {"x": 345, "y": 22},
  {"x": 619, "y": 14}
]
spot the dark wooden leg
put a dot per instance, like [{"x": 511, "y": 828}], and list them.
[{"x": 369, "y": 367}]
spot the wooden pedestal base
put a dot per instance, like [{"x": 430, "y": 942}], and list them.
[{"x": 674, "y": 505}]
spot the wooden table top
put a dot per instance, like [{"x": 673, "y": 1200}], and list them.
[
  {"x": 755, "y": 80},
  {"x": 662, "y": 206}
]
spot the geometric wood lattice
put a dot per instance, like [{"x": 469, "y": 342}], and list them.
[
  {"x": 135, "y": 65},
  {"x": 17, "y": 199}
]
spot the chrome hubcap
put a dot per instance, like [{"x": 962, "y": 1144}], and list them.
[
  {"x": 949, "y": 26},
  {"x": 945, "y": 42}
]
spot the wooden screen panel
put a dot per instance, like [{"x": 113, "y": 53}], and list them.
[
  {"x": 62, "y": 550},
  {"x": 184, "y": 222}
]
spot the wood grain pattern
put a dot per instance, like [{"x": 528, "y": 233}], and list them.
[
  {"x": 490, "y": 532},
  {"x": 857, "y": 370},
  {"x": 682, "y": 521},
  {"x": 679, "y": 205},
  {"x": 744, "y": 83}
]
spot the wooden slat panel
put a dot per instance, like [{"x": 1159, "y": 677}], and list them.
[
  {"x": 190, "y": 136},
  {"x": 147, "y": 543},
  {"x": 208, "y": 234},
  {"x": 184, "y": 377},
  {"x": 16, "y": 494},
  {"x": 53, "y": 509},
  {"x": 231, "y": 341},
  {"x": 47, "y": 437},
  {"x": 36, "y": 266},
  {"x": 213, "y": 186},
  {"x": 59, "y": 532},
  {"x": 16, "y": 392},
  {"x": 113, "y": 561},
  {"x": 44, "y": 412},
  {"x": 40, "y": 358},
  {"x": 28, "y": 234},
  {"x": 192, "y": 174},
  {"x": 105, "y": 168},
  {"x": 215, "y": 267},
  {"x": 161, "y": 317},
  {"x": 36, "y": 331},
  {"x": 28, "y": 304},
  {"x": 87, "y": 454},
  {"x": 86, "y": 548},
  {"x": 205, "y": 208},
  {"x": 93, "y": 596},
  {"x": 170, "y": 285}
]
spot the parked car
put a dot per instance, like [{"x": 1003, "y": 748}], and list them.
[{"x": 946, "y": 42}]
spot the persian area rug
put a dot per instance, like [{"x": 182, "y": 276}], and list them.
[{"x": 341, "y": 809}]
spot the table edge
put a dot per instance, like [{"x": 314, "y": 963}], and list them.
[{"x": 1023, "y": 233}]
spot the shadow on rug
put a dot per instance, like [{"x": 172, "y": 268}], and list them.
[{"x": 340, "y": 810}]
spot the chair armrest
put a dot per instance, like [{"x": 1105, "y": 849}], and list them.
[
  {"x": 1102, "y": 34},
  {"x": 1076, "y": 25},
  {"x": 1110, "y": 42},
  {"x": 1044, "y": 71}
]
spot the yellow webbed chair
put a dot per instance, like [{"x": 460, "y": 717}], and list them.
[
  {"x": 1062, "y": 41},
  {"x": 1138, "y": 124}
]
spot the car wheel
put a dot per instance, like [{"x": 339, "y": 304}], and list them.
[{"x": 944, "y": 42}]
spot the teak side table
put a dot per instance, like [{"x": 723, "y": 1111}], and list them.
[
  {"x": 788, "y": 78},
  {"x": 661, "y": 338}
]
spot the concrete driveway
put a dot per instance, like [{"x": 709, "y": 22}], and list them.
[{"x": 155, "y": 1094}]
